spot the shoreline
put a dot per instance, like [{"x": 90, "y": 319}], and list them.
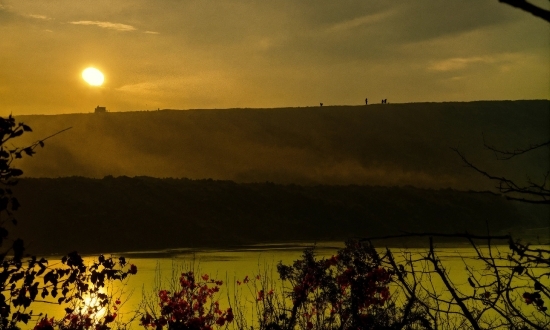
[{"x": 281, "y": 246}]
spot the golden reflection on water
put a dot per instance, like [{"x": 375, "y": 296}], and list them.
[{"x": 161, "y": 269}]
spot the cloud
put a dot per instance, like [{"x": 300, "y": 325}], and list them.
[
  {"x": 140, "y": 88},
  {"x": 107, "y": 25},
  {"x": 44, "y": 17},
  {"x": 360, "y": 21},
  {"x": 504, "y": 60},
  {"x": 151, "y": 32},
  {"x": 458, "y": 63}
]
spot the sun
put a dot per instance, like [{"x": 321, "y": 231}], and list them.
[{"x": 93, "y": 76}]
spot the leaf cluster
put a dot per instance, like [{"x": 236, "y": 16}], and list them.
[
  {"x": 350, "y": 290},
  {"x": 26, "y": 280}
]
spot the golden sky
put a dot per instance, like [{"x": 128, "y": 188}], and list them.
[{"x": 241, "y": 53}]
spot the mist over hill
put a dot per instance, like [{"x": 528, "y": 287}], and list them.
[
  {"x": 143, "y": 213},
  {"x": 388, "y": 145}
]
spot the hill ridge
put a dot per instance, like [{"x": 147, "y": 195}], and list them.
[{"x": 381, "y": 144}]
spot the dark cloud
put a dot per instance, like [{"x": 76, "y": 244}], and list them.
[
  {"x": 7, "y": 16},
  {"x": 425, "y": 20}
]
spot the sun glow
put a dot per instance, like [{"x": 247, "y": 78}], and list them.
[{"x": 93, "y": 76}]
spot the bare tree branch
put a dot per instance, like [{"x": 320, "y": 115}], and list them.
[
  {"x": 532, "y": 193},
  {"x": 505, "y": 288},
  {"x": 529, "y": 7},
  {"x": 450, "y": 287},
  {"x": 507, "y": 154}
]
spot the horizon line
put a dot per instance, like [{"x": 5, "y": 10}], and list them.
[{"x": 274, "y": 108}]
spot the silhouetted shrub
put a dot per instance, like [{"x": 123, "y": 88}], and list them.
[
  {"x": 192, "y": 306},
  {"x": 24, "y": 280}
]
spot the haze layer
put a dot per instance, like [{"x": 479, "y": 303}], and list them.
[{"x": 390, "y": 144}]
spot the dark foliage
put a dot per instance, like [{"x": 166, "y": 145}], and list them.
[
  {"x": 348, "y": 291},
  {"x": 228, "y": 213},
  {"x": 26, "y": 280}
]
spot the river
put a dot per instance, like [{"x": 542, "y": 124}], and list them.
[{"x": 157, "y": 269}]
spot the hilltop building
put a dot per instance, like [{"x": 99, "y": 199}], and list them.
[{"x": 99, "y": 109}]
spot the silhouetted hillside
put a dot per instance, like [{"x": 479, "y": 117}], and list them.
[
  {"x": 391, "y": 144},
  {"x": 143, "y": 213}
]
